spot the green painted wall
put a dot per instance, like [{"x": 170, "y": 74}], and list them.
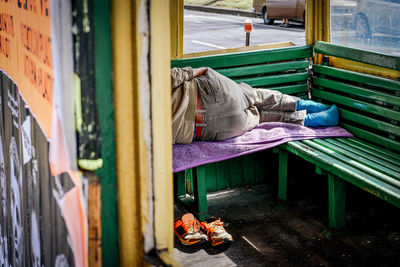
[{"x": 104, "y": 90}]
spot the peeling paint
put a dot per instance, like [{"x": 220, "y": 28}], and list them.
[{"x": 145, "y": 102}]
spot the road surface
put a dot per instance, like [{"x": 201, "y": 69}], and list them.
[{"x": 209, "y": 31}]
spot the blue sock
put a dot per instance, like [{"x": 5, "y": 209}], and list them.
[
  {"x": 310, "y": 106},
  {"x": 328, "y": 117}
]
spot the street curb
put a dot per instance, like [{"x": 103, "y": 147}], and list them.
[{"x": 220, "y": 10}]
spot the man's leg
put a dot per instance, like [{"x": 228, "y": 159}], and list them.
[
  {"x": 296, "y": 117},
  {"x": 273, "y": 100}
]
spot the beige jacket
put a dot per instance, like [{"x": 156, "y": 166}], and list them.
[{"x": 184, "y": 100}]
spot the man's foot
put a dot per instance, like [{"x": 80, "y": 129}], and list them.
[
  {"x": 215, "y": 231},
  {"x": 310, "y": 106},
  {"x": 328, "y": 117},
  {"x": 188, "y": 231}
]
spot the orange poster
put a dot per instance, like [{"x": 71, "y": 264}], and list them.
[{"x": 26, "y": 56}]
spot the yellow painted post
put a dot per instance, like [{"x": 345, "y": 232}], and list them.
[
  {"x": 126, "y": 44},
  {"x": 176, "y": 24},
  {"x": 161, "y": 124},
  {"x": 317, "y": 23}
]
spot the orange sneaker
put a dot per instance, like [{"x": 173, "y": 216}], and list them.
[
  {"x": 215, "y": 231},
  {"x": 187, "y": 228}
]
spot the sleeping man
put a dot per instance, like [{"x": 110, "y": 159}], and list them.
[{"x": 208, "y": 106}]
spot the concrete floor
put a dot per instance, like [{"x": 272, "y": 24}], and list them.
[{"x": 269, "y": 233}]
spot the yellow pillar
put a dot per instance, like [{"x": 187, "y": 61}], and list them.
[
  {"x": 317, "y": 23},
  {"x": 161, "y": 124},
  {"x": 176, "y": 24},
  {"x": 125, "y": 40},
  {"x": 142, "y": 100}
]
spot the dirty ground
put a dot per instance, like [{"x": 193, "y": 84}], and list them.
[{"x": 295, "y": 233}]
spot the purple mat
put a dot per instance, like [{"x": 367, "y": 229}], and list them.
[{"x": 264, "y": 136}]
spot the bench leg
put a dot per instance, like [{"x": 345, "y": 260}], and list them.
[
  {"x": 200, "y": 192},
  {"x": 283, "y": 167},
  {"x": 337, "y": 202}
]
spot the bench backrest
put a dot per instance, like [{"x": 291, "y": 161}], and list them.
[
  {"x": 283, "y": 69},
  {"x": 369, "y": 105}
]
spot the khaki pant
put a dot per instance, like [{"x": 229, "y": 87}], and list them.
[{"x": 231, "y": 109}]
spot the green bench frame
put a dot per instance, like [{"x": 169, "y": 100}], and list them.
[{"x": 369, "y": 108}]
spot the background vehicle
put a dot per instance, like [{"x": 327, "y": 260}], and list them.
[
  {"x": 280, "y": 9},
  {"x": 377, "y": 16}
]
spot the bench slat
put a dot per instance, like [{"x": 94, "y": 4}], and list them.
[
  {"x": 370, "y": 122},
  {"x": 358, "y": 77},
  {"x": 356, "y": 104},
  {"x": 276, "y": 79},
  {"x": 356, "y": 90},
  {"x": 374, "y": 138},
  {"x": 291, "y": 89},
  {"x": 359, "y": 152},
  {"x": 246, "y": 58},
  {"x": 346, "y": 161},
  {"x": 376, "y": 153},
  {"x": 348, "y": 173},
  {"x": 265, "y": 68},
  {"x": 359, "y": 55},
  {"x": 354, "y": 155}
]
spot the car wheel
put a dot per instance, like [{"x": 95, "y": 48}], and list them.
[
  {"x": 362, "y": 27},
  {"x": 266, "y": 20}
]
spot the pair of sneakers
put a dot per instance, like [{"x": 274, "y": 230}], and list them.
[{"x": 191, "y": 232}]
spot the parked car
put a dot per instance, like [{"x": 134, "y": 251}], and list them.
[
  {"x": 280, "y": 9},
  {"x": 377, "y": 16}
]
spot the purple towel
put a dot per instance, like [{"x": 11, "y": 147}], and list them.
[{"x": 264, "y": 136}]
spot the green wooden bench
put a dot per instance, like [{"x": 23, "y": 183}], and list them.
[
  {"x": 283, "y": 69},
  {"x": 369, "y": 108}
]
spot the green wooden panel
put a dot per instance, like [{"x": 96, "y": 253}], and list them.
[
  {"x": 356, "y": 104},
  {"x": 370, "y": 122},
  {"x": 348, "y": 173},
  {"x": 246, "y": 58},
  {"x": 346, "y": 161},
  {"x": 235, "y": 172},
  {"x": 374, "y": 138},
  {"x": 276, "y": 79},
  {"x": 261, "y": 171},
  {"x": 337, "y": 202},
  {"x": 189, "y": 181},
  {"x": 223, "y": 175},
  {"x": 291, "y": 89},
  {"x": 265, "y": 68},
  {"x": 180, "y": 184},
  {"x": 211, "y": 173},
  {"x": 356, "y": 90},
  {"x": 375, "y": 150},
  {"x": 283, "y": 173},
  {"x": 362, "y": 153},
  {"x": 353, "y": 76},
  {"x": 104, "y": 92},
  {"x": 359, "y": 55},
  {"x": 353, "y": 155},
  {"x": 249, "y": 172}
]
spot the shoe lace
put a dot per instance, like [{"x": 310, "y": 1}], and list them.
[
  {"x": 192, "y": 227},
  {"x": 217, "y": 226}
]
